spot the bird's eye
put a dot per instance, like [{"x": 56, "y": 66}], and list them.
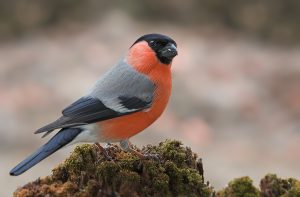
[
  {"x": 153, "y": 43},
  {"x": 157, "y": 43}
]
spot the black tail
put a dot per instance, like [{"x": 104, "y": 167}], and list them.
[{"x": 62, "y": 138}]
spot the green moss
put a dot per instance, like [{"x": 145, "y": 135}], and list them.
[
  {"x": 271, "y": 185},
  {"x": 87, "y": 173},
  {"x": 107, "y": 171},
  {"x": 173, "y": 151},
  {"x": 240, "y": 187},
  {"x": 92, "y": 187},
  {"x": 81, "y": 162},
  {"x": 178, "y": 172},
  {"x": 161, "y": 184},
  {"x": 128, "y": 161},
  {"x": 82, "y": 159},
  {"x": 185, "y": 180},
  {"x": 129, "y": 178}
]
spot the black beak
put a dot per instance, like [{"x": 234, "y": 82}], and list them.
[{"x": 169, "y": 51}]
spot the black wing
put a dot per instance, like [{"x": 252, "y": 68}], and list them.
[{"x": 88, "y": 110}]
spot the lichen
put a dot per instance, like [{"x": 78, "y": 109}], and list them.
[{"x": 176, "y": 172}]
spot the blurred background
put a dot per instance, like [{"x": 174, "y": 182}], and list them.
[{"x": 236, "y": 95}]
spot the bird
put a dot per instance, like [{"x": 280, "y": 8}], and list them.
[{"x": 127, "y": 99}]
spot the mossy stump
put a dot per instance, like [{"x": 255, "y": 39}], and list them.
[{"x": 177, "y": 172}]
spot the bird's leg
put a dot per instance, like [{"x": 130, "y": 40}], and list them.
[
  {"x": 104, "y": 151},
  {"x": 126, "y": 146}
]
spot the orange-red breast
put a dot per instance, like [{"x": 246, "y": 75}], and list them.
[{"x": 123, "y": 102}]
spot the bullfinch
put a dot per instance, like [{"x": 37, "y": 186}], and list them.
[{"x": 123, "y": 102}]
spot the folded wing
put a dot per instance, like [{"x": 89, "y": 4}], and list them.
[{"x": 88, "y": 110}]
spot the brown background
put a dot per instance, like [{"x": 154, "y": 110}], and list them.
[{"x": 236, "y": 95}]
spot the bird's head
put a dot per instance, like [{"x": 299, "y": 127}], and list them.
[{"x": 152, "y": 50}]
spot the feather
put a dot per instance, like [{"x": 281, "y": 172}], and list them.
[{"x": 62, "y": 138}]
